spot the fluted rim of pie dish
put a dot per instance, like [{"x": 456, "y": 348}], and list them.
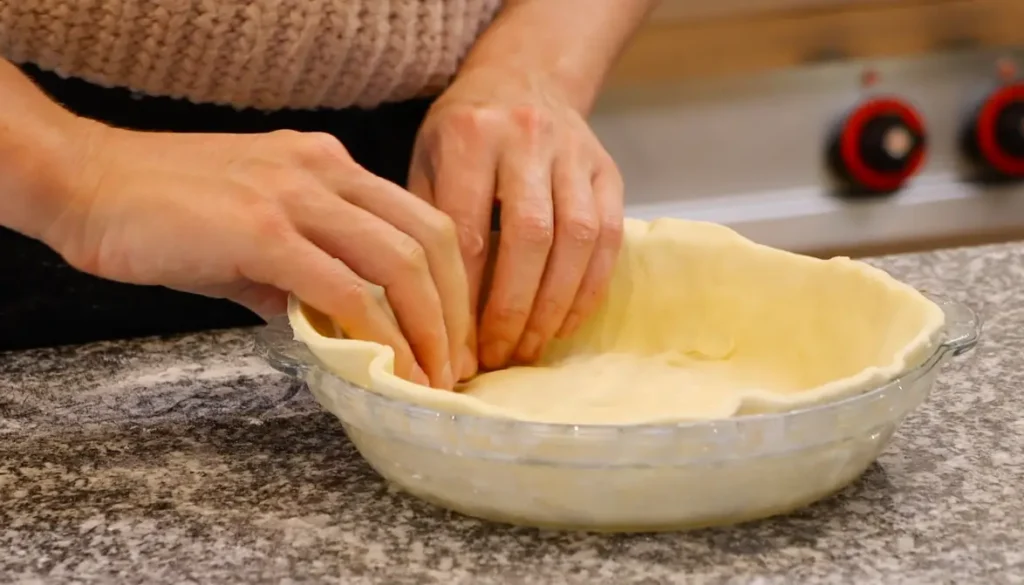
[{"x": 276, "y": 344}]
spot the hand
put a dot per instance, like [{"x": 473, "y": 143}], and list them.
[
  {"x": 254, "y": 217},
  {"x": 494, "y": 136}
]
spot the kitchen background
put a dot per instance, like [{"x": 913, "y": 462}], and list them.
[
  {"x": 723, "y": 111},
  {"x": 185, "y": 459}
]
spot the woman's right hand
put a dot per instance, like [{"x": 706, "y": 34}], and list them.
[{"x": 252, "y": 218}]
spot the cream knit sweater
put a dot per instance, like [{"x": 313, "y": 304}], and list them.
[{"x": 267, "y": 54}]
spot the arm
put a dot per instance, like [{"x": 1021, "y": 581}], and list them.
[
  {"x": 39, "y": 146},
  {"x": 566, "y": 44},
  {"x": 261, "y": 220}
]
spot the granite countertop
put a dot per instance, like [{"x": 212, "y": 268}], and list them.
[{"x": 190, "y": 461}]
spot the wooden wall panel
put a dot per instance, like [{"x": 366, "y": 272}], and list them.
[
  {"x": 685, "y": 40},
  {"x": 683, "y": 10}
]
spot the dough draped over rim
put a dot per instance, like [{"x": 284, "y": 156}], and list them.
[{"x": 699, "y": 323}]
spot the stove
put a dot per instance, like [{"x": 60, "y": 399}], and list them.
[{"x": 851, "y": 157}]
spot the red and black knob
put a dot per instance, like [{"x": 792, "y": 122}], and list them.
[
  {"x": 993, "y": 136},
  {"x": 878, "y": 146}
]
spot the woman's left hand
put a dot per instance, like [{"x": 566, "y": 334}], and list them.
[{"x": 502, "y": 136}]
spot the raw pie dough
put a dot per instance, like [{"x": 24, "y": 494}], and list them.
[{"x": 699, "y": 323}]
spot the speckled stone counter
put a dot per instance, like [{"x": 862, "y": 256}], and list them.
[{"x": 189, "y": 461}]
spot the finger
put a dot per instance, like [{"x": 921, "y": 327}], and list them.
[
  {"x": 266, "y": 301},
  {"x": 329, "y": 286},
  {"x": 576, "y": 232},
  {"x": 420, "y": 183},
  {"x": 330, "y": 164},
  {"x": 524, "y": 189},
  {"x": 463, "y": 354},
  {"x": 464, "y": 190},
  {"x": 608, "y": 190},
  {"x": 383, "y": 255},
  {"x": 436, "y": 234}
]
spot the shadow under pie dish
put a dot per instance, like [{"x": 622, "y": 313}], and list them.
[{"x": 721, "y": 381}]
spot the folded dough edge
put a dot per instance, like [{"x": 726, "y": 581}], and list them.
[{"x": 371, "y": 366}]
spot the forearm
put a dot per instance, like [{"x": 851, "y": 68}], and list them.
[
  {"x": 37, "y": 153},
  {"x": 567, "y": 44}
]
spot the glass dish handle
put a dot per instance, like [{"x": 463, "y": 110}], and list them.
[
  {"x": 276, "y": 344},
  {"x": 963, "y": 326}
]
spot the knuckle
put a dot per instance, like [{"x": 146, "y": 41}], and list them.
[
  {"x": 581, "y": 228},
  {"x": 465, "y": 121},
  {"x": 410, "y": 257},
  {"x": 531, "y": 120},
  {"x": 284, "y": 135},
  {"x": 547, "y": 309},
  {"x": 612, "y": 230},
  {"x": 271, "y": 226},
  {"x": 355, "y": 293},
  {"x": 509, "y": 314},
  {"x": 472, "y": 244},
  {"x": 533, "y": 229},
  {"x": 442, "y": 232},
  {"x": 320, "y": 148}
]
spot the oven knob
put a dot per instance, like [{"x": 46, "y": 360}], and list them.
[
  {"x": 994, "y": 133},
  {"x": 878, "y": 146}
]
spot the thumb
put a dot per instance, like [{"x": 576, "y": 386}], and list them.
[
  {"x": 420, "y": 180},
  {"x": 264, "y": 300}
]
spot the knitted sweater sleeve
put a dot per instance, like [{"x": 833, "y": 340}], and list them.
[{"x": 266, "y": 54}]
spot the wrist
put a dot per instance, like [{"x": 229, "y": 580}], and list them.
[
  {"x": 503, "y": 82},
  {"x": 529, "y": 39},
  {"x": 41, "y": 171},
  {"x": 548, "y": 81}
]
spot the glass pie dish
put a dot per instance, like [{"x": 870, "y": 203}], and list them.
[{"x": 622, "y": 478}]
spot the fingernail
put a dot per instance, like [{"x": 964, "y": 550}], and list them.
[
  {"x": 494, "y": 354},
  {"x": 571, "y": 324},
  {"x": 419, "y": 376},
  {"x": 447, "y": 380},
  {"x": 471, "y": 240},
  {"x": 530, "y": 346},
  {"x": 469, "y": 365}
]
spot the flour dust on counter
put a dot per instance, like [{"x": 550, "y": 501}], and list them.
[
  {"x": 152, "y": 379},
  {"x": 246, "y": 481}
]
